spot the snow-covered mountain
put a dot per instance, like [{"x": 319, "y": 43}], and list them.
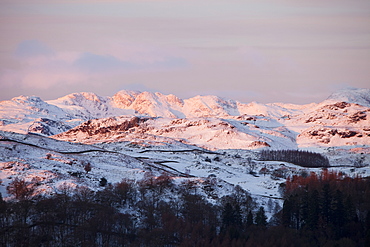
[
  {"x": 351, "y": 95},
  {"x": 207, "y": 121},
  {"x": 201, "y": 138}
]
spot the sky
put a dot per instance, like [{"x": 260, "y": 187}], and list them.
[{"x": 291, "y": 51}]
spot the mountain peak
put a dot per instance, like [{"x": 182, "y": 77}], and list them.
[
  {"x": 125, "y": 98},
  {"x": 78, "y": 98},
  {"x": 359, "y": 96},
  {"x": 27, "y": 99}
]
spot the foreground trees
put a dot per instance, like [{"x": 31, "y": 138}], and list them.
[
  {"x": 328, "y": 207},
  {"x": 152, "y": 212},
  {"x": 325, "y": 210}
]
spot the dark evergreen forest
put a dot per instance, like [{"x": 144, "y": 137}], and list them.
[
  {"x": 325, "y": 210},
  {"x": 297, "y": 157}
]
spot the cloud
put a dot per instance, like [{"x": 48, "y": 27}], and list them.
[
  {"x": 90, "y": 62},
  {"x": 41, "y": 67},
  {"x": 33, "y": 48}
]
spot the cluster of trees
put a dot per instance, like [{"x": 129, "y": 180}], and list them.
[
  {"x": 154, "y": 211},
  {"x": 328, "y": 207},
  {"x": 325, "y": 210},
  {"x": 298, "y": 157}
]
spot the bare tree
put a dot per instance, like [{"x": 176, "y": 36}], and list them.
[
  {"x": 87, "y": 167},
  {"x": 21, "y": 189}
]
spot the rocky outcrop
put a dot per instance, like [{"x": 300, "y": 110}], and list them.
[{"x": 48, "y": 127}]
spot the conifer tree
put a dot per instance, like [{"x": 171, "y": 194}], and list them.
[
  {"x": 250, "y": 220},
  {"x": 261, "y": 218}
]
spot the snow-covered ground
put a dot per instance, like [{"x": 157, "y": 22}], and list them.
[{"x": 53, "y": 163}]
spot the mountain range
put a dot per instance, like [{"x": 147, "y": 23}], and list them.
[{"x": 209, "y": 122}]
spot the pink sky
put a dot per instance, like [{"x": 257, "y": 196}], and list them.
[{"x": 266, "y": 51}]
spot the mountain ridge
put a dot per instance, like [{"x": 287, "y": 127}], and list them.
[{"x": 209, "y": 121}]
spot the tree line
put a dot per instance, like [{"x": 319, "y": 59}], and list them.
[
  {"x": 297, "y": 157},
  {"x": 318, "y": 210},
  {"x": 154, "y": 211}
]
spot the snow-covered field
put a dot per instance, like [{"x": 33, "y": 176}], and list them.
[{"x": 53, "y": 163}]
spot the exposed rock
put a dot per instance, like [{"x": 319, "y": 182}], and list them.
[
  {"x": 48, "y": 127},
  {"x": 347, "y": 134},
  {"x": 109, "y": 125},
  {"x": 259, "y": 144},
  {"x": 358, "y": 116}
]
